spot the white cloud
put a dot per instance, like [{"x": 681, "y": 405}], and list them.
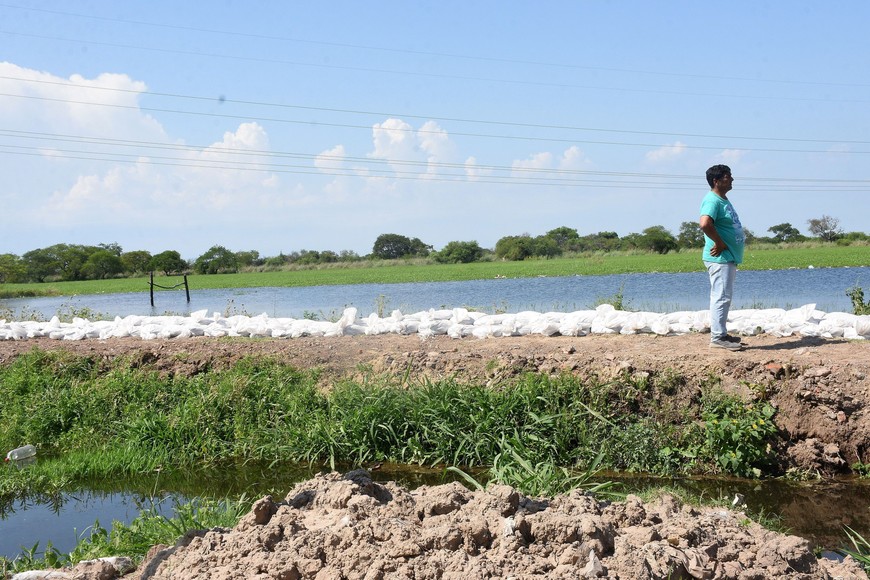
[
  {"x": 436, "y": 144},
  {"x": 543, "y": 160},
  {"x": 412, "y": 151},
  {"x": 666, "y": 153},
  {"x": 472, "y": 169},
  {"x": 105, "y": 106},
  {"x": 729, "y": 156},
  {"x": 394, "y": 140},
  {"x": 546, "y": 165},
  {"x": 331, "y": 159},
  {"x": 573, "y": 158}
]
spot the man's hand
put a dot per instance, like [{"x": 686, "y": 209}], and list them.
[
  {"x": 717, "y": 249},
  {"x": 706, "y": 223}
]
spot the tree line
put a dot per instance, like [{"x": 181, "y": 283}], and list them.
[{"x": 67, "y": 262}]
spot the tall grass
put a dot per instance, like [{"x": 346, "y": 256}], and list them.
[{"x": 100, "y": 418}]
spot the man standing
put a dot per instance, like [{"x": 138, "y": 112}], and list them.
[{"x": 723, "y": 250}]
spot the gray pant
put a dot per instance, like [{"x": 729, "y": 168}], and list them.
[{"x": 721, "y": 288}]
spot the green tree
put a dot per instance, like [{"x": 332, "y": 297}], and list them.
[
  {"x": 393, "y": 246},
  {"x": 102, "y": 264},
  {"x": 306, "y": 257},
  {"x": 249, "y": 258},
  {"x": 601, "y": 241},
  {"x": 566, "y": 238},
  {"x": 546, "y": 247},
  {"x": 657, "y": 239},
  {"x": 57, "y": 262},
  {"x": 12, "y": 269},
  {"x": 514, "y": 248},
  {"x": 136, "y": 262},
  {"x": 216, "y": 260},
  {"x": 114, "y": 248},
  {"x": 784, "y": 232},
  {"x": 459, "y": 253},
  {"x": 168, "y": 262},
  {"x": 348, "y": 256},
  {"x": 825, "y": 227},
  {"x": 690, "y": 235}
]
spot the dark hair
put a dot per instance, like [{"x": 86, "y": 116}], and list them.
[{"x": 717, "y": 172}]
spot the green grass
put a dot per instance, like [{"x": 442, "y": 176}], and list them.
[
  {"x": 762, "y": 257},
  {"x": 91, "y": 418},
  {"x": 133, "y": 540}
]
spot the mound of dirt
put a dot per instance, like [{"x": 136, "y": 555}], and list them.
[{"x": 335, "y": 527}]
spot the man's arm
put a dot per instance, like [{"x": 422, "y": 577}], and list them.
[{"x": 706, "y": 223}]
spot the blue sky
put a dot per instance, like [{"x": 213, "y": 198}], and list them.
[{"x": 281, "y": 126}]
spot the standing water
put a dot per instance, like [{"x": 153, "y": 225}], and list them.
[
  {"x": 813, "y": 510},
  {"x": 824, "y": 287}
]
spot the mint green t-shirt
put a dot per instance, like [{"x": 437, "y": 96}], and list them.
[{"x": 728, "y": 225}]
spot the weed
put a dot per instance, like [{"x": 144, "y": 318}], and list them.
[
  {"x": 617, "y": 300},
  {"x": 797, "y": 474},
  {"x": 233, "y": 310},
  {"x": 737, "y": 434},
  {"x": 381, "y": 304},
  {"x": 856, "y": 294},
  {"x": 861, "y": 553},
  {"x": 149, "y": 528},
  {"x": 67, "y": 312}
]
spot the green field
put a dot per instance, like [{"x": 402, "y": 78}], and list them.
[{"x": 398, "y": 271}]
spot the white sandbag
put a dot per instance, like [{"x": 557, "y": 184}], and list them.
[
  {"x": 662, "y": 327},
  {"x": 460, "y": 330},
  {"x": 800, "y": 316},
  {"x": 442, "y": 314},
  {"x": 461, "y": 316}
]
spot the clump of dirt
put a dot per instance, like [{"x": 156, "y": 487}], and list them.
[{"x": 335, "y": 526}]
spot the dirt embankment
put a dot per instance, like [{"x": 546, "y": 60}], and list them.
[{"x": 820, "y": 387}]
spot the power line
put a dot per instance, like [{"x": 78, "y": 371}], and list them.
[
  {"x": 419, "y": 131},
  {"x": 487, "y": 59},
  {"x": 431, "y": 117},
  {"x": 198, "y": 148},
  {"x": 516, "y": 176}
]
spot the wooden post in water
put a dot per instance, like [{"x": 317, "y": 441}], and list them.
[
  {"x": 186, "y": 289},
  {"x": 152, "y": 289}
]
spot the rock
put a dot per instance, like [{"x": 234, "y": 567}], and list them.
[
  {"x": 593, "y": 568},
  {"x": 817, "y": 372},
  {"x": 775, "y": 369}
]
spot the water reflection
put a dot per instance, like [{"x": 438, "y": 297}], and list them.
[{"x": 814, "y": 510}]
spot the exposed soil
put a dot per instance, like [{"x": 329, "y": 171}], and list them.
[
  {"x": 337, "y": 527},
  {"x": 350, "y": 527}
]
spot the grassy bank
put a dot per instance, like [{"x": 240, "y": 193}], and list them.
[
  {"x": 104, "y": 419},
  {"x": 765, "y": 257},
  {"x": 96, "y": 418}
]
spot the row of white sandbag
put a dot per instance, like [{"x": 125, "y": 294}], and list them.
[{"x": 456, "y": 322}]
